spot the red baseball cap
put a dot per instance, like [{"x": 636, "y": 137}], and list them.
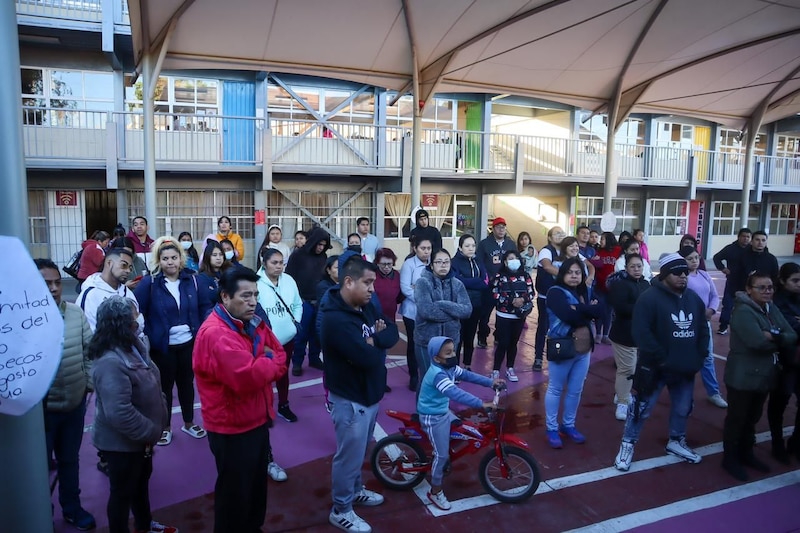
[{"x": 498, "y": 221}]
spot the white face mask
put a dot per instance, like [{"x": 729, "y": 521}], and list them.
[
  {"x": 514, "y": 264},
  {"x": 186, "y": 244},
  {"x": 228, "y": 255}
]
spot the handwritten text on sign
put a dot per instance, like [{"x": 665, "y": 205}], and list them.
[{"x": 31, "y": 331}]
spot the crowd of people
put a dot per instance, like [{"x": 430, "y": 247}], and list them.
[{"x": 153, "y": 314}]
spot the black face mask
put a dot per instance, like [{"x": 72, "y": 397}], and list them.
[
  {"x": 450, "y": 362},
  {"x": 355, "y": 248}
]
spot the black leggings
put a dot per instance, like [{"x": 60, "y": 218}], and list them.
[
  {"x": 176, "y": 368},
  {"x": 506, "y": 336},
  {"x": 129, "y": 480},
  {"x": 542, "y": 325},
  {"x": 778, "y": 400},
  {"x": 411, "y": 356},
  {"x": 468, "y": 328}
]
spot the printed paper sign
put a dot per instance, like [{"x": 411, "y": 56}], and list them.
[{"x": 31, "y": 331}]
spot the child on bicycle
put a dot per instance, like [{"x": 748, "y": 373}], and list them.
[{"x": 438, "y": 387}]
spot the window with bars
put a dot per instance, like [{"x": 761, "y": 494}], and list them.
[
  {"x": 668, "y": 217},
  {"x": 197, "y": 212},
  {"x": 782, "y": 219},
  {"x": 336, "y": 211},
  {"x": 37, "y": 217},
  {"x": 590, "y": 211},
  {"x": 725, "y": 220}
]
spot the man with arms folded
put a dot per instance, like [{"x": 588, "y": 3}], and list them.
[{"x": 355, "y": 337}]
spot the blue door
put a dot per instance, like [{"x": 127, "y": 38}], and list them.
[{"x": 238, "y": 134}]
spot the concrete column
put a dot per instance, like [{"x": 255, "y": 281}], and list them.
[
  {"x": 24, "y": 490},
  {"x": 149, "y": 141}
]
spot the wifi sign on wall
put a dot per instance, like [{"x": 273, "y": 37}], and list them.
[{"x": 66, "y": 198}]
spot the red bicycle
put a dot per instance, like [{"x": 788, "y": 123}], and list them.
[{"x": 508, "y": 471}]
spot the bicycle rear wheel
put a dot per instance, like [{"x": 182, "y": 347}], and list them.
[
  {"x": 522, "y": 480},
  {"x": 391, "y": 459}
]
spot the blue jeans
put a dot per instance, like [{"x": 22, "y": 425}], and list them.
[
  {"x": 423, "y": 364},
  {"x": 569, "y": 374},
  {"x": 354, "y": 424},
  {"x": 708, "y": 373},
  {"x": 680, "y": 390},
  {"x": 64, "y": 433},
  {"x": 307, "y": 335}
]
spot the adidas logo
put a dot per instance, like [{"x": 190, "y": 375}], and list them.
[{"x": 683, "y": 322}]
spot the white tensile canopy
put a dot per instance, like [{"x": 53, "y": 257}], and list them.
[{"x": 735, "y": 62}]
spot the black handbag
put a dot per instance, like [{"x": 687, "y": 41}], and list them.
[{"x": 560, "y": 348}]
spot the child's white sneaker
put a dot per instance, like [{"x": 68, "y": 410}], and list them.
[
  {"x": 511, "y": 375},
  {"x": 440, "y": 500}
]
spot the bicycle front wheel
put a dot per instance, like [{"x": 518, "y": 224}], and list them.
[
  {"x": 398, "y": 463},
  {"x": 522, "y": 477}
]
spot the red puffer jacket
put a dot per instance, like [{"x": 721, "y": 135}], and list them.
[
  {"x": 235, "y": 385},
  {"x": 91, "y": 259}
]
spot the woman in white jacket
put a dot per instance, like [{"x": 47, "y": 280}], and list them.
[
  {"x": 278, "y": 295},
  {"x": 412, "y": 269}
]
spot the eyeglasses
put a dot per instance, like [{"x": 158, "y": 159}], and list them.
[
  {"x": 389, "y": 265},
  {"x": 124, "y": 265},
  {"x": 763, "y": 288},
  {"x": 441, "y": 262}
]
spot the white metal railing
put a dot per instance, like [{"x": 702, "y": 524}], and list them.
[
  {"x": 779, "y": 171},
  {"x": 199, "y": 139},
  {"x": 84, "y": 10},
  {"x": 58, "y": 133}
]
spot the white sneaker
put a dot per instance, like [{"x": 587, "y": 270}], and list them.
[
  {"x": 718, "y": 400},
  {"x": 276, "y": 472},
  {"x": 349, "y": 521},
  {"x": 512, "y": 376},
  {"x": 368, "y": 498},
  {"x": 495, "y": 374},
  {"x": 622, "y": 411},
  {"x": 440, "y": 500},
  {"x": 679, "y": 448},
  {"x": 624, "y": 456}
]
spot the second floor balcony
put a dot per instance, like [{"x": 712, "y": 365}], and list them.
[
  {"x": 84, "y": 14},
  {"x": 91, "y": 139}
]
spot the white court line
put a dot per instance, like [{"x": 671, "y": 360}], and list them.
[
  {"x": 698, "y": 503},
  {"x": 484, "y": 500}
]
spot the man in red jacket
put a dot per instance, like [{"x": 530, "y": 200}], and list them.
[{"x": 236, "y": 359}]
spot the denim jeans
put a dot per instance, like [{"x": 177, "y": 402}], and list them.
[
  {"x": 709, "y": 373},
  {"x": 680, "y": 389},
  {"x": 569, "y": 374},
  {"x": 307, "y": 335},
  {"x": 64, "y": 433},
  {"x": 354, "y": 424}
]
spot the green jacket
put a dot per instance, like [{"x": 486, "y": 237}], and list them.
[
  {"x": 72, "y": 379},
  {"x": 752, "y": 362}
]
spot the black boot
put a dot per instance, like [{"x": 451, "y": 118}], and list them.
[
  {"x": 779, "y": 452},
  {"x": 748, "y": 458},
  {"x": 733, "y": 466}
]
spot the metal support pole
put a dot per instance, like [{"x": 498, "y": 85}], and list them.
[
  {"x": 24, "y": 491},
  {"x": 149, "y": 141},
  {"x": 610, "y": 187},
  {"x": 749, "y": 164}
]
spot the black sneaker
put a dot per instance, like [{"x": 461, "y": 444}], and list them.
[
  {"x": 317, "y": 364},
  {"x": 297, "y": 371},
  {"x": 81, "y": 520},
  {"x": 537, "y": 365},
  {"x": 287, "y": 413},
  {"x": 482, "y": 343},
  {"x": 102, "y": 466},
  {"x": 722, "y": 331}
]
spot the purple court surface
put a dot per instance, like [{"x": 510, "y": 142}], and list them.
[{"x": 581, "y": 490}]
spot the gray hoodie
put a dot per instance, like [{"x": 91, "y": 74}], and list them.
[{"x": 441, "y": 304}]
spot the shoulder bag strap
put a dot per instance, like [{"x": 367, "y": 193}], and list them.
[{"x": 284, "y": 303}]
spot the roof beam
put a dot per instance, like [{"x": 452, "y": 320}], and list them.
[
  {"x": 433, "y": 72},
  {"x": 623, "y": 107},
  {"x": 642, "y": 87},
  {"x": 172, "y": 20}
]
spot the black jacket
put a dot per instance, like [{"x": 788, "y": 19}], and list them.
[
  {"x": 789, "y": 304},
  {"x": 473, "y": 275},
  {"x": 307, "y": 267},
  {"x": 622, "y": 296},
  {"x": 354, "y": 370},
  {"x": 731, "y": 255},
  {"x": 751, "y": 261},
  {"x": 490, "y": 253},
  {"x": 671, "y": 330}
]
